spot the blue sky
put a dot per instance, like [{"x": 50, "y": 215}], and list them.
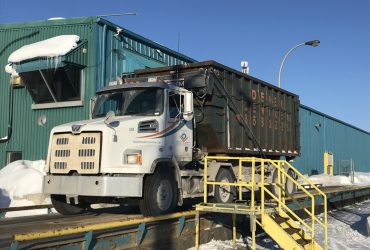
[{"x": 333, "y": 78}]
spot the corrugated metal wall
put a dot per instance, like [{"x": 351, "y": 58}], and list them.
[
  {"x": 28, "y": 136},
  {"x": 123, "y": 56},
  {"x": 320, "y": 133}
]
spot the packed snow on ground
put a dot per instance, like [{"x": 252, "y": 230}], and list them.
[
  {"x": 21, "y": 185},
  {"x": 347, "y": 229},
  {"x": 360, "y": 179},
  {"x": 49, "y": 48}
]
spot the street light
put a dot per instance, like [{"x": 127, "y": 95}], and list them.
[{"x": 313, "y": 43}]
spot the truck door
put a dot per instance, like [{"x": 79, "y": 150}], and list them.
[{"x": 180, "y": 132}]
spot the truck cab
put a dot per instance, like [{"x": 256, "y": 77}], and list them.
[{"x": 138, "y": 132}]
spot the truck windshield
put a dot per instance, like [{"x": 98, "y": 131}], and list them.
[{"x": 135, "y": 101}]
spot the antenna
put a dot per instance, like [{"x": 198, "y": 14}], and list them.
[
  {"x": 119, "y": 14},
  {"x": 178, "y": 57},
  {"x": 178, "y": 42}
]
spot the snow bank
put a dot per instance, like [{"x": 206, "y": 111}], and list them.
[
  {"x": 360, "y": 179},
  {"x": 21, "y": 185},
  {"x": 52, "y": 47},
  {"x": 347, "y": 229}
]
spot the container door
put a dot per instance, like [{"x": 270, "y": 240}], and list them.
[{"x": 179, "y": 138}]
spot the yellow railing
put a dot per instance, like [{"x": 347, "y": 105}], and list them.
[{"x": 259, "y": 165}]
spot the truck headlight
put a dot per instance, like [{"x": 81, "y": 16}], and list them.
[{"x": 133, "y": 157}]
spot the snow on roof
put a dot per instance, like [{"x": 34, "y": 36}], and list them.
[
  {"x": 10, "y": 69},
  {"x": 52, "y": 47}
]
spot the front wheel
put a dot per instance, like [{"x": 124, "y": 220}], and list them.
[
  {"x": 224, "y": 193},
  {"x": 60, "y": 204},
  {"x": 160, "y": 193}
]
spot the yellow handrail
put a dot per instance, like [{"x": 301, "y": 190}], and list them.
[
  {"x": 325, "y": 226},
  {"x": 281, "y": 166}
]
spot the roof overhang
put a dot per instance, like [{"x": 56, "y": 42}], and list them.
[{"x": 46, "y": 55}]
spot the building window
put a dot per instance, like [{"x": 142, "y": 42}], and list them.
[{"x": 54, "y": 85}]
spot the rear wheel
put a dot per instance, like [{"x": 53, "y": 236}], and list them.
[
  {"x": 224, "y": 193},
  {"x": 60, "y": 204},
  {"x": 290, "y": 186},
  {"x": 160, "y": 194}
]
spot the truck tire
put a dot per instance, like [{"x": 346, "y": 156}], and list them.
[
  {"x": 290, "y": 187},
  {"x": 160, "y": 194},
  {"x": 60, "y": 204},
  {"x": 224, "y": 194},
  {"x": 274, "y": 180}
]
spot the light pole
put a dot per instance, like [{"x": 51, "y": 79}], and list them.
[{"x": 312, "y": 43}]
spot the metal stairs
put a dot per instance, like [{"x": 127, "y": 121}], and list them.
[
  {"x": 286, "y": 232},
  {"x": 288, "y": 228}
]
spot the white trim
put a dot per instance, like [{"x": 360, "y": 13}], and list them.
[{"x": 56, "y": 105}]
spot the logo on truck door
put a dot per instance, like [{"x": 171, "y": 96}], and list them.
[{"x": 173, "y": 128}]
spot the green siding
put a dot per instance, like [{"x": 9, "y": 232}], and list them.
[
  {"x": 120, "y": 57},
  {"x": 320, "y": 132},
  {"x": 28, "y": 136}
]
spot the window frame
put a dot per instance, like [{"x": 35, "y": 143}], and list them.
[
  {"x": 180, "y": 109},
  {"x": 78, "y": 103}
]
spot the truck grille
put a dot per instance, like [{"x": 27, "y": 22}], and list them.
[{"x": 79, "y": 153}]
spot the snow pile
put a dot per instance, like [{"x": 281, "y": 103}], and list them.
[
  {"x": 52, "y": 48},
  {"x": 21, "y": 185},
  {"x": 360, "y": 179},
  {"x": 328, "y": 180},
  {"x": 347, "y": 229}
]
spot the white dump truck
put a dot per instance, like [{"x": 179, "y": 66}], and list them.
[{"x": 148, "y": 136}]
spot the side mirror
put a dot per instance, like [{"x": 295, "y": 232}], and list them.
[
  {"x": 188, "y": 113},
  {"x": 109, "y": 117}
]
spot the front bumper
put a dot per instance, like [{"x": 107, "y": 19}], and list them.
[{"x": 114, "y": 186}]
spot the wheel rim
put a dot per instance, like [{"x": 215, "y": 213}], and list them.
[
  {"x": 224, "y": 191},
  {"x": 164, "y": 195}
]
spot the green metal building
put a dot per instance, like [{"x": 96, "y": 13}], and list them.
[
  {"x": 321, "y": 132},
  {"x": 105, "y": 51}
]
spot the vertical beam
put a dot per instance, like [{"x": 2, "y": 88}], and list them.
[
  {"x": 253, "y": 182},
  {"x": 253, "y": 229},
  {"x": 196, "y": 229},
  {"x": 14, "y": 245},
  {"x": 283, "y": 181},
  {"x": 205, "y": 179},
  {"x": 326, "y": 156},
  {"x": 140, "y": 234},
  {"x": 180, "y": 226},
  {"x": 263, "y": 187},
  {"x": 234, "y": 230},
  {"x": 88, "y": 240},
  {"x": 279, "y": 184},
  {"x": 240, "y": 179}
]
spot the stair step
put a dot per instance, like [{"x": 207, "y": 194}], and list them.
[
  {"x": 292, "y": 230},
  {"x": 303, "y": 242},
  {"x": 279, "y": 219}
]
